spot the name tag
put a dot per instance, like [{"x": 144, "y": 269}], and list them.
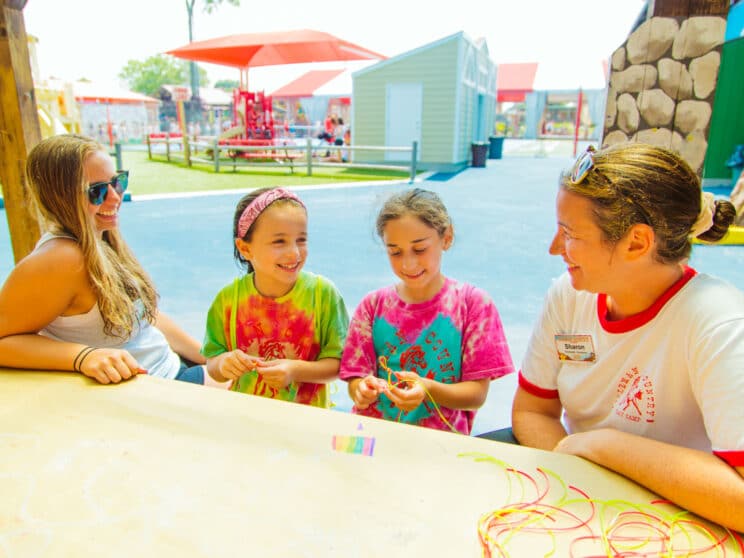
[{"x": 576, "y": 348}]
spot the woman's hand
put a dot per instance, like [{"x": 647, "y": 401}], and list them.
[
  {"x": 584, "y": 444},
  {"x": 232, "y": 365},
  {"x": 408, "y": 393},
  {"x": 109, "y": 365},
  {"x": 277, "y": 374},
  {"x": 365, "y": 391}
]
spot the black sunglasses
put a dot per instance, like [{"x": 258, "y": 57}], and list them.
[{"x": 97, "y": 192}]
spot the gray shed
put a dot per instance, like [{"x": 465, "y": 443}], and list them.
[{"x": 441, "y": 95}]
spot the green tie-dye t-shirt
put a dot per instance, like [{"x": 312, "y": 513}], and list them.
[{"x": 308, "y": 323}]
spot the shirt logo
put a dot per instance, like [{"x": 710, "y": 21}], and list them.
[
  {"x": 576, "y": 348},
  {"x": 636, "y": 399}
]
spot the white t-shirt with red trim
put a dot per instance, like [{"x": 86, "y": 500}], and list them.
[{"x": 673, "y": 373}]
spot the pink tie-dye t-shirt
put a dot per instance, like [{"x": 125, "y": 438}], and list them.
[
  {"x": 308, "y": 323},
  {"x": 456, "y": 336}
]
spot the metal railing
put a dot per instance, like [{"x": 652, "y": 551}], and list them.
[{"x": 208, "y": 150}]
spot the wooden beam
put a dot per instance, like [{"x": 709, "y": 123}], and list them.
[
  {"x": 19, "y": 126},
  {"x": 690, "y": 8}
]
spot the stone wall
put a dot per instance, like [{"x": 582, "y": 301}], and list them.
[{"x": 663, "y": 83}]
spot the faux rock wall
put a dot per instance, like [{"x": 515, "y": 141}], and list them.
[{"x": 662, "y": 85}]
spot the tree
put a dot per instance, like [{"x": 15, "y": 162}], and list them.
[
  {"x": 227, "y": 84},
  {"x": 149, "y": 76},
  {"x": 209, "y": 7}
]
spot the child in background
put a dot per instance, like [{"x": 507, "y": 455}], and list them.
[
  {"x": 277, "y": 331},
  {"x": 443, "y": 339}
]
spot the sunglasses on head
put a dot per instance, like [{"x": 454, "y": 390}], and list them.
[
  {"x": 584, "y": 163},
  {"x": 98, "y": 191}
]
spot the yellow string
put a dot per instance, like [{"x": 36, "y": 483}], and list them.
[
  {"x": 384, "y": 365},
  {"x": 675, "y": 531}
]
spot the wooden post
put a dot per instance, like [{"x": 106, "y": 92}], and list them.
[
  {"x": 216, "y": 151},
  {"x": 19, "y": 126},
  {"x": 309, "y": 156},
  {"x": 184, "y": 132}
]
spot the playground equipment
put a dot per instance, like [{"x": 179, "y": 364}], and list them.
[
  {"x": 58, "y": 111},
  {"x": 252, "y": 123},
  {"x": 734, "y": 236},
  {"x": 253, "y": 112}
]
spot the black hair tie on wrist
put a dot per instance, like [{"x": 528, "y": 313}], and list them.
[{"x": 77, "y": 364}]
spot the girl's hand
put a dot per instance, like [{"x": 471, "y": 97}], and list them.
[
  {"x": 109, "y": 365},
  {"x": 234, "y": 364},
  {"x": 367, "y": 390},
  {"x": 278, "y": 373},
  {"x": 409, "y": 393}
]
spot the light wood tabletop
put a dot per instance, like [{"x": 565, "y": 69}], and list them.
[{"x": 160, "y": 468}]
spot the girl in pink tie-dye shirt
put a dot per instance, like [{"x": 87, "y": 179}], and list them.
[{"x": 443, "y": 339}]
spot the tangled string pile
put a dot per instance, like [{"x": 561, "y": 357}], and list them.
[{"x": 559, "y": 516}]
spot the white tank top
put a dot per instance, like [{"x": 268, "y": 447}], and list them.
[{"x": 146, "y": 344}]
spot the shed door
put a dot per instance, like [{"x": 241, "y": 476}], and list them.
[
  {"x": 479, "y": 119},
  {"x": 403, "y": 118}
]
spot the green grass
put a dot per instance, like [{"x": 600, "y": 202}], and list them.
[{"x": 160, "y": 176}]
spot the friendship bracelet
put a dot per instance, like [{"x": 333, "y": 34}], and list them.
[
  {"x": 77, "y": 364},
  {"x": 382, "y": 361}
]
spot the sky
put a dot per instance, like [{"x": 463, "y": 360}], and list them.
[{"x": 95, "y": 39}]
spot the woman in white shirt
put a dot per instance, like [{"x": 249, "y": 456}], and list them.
[
  {"x": 81, "y": 301},
  {"x": 636, "y": 361}
]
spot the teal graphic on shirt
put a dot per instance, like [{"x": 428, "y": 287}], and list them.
[{"x": 435, "y": 353}]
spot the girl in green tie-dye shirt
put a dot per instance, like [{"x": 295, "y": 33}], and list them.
[{"x": 277, "y": 331}]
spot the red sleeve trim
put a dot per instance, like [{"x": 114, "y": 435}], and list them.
[
  {"x": 733, "y": 458},
  {"x": 537, "y": 391}
]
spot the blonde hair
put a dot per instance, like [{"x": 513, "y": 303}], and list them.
[
  {"x": 56, "y": 178},
  {"x": 635, "y": 183}
]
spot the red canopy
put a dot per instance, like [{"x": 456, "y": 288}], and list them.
[
  {"x": 307, "y": 84},
  {"x": 274, "y": 48},
  {"x": 514, "y": 81}
]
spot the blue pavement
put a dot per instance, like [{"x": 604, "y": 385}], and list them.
[{"x": 503, "y": 216}]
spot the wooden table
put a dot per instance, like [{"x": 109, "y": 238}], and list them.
[{"x": 162, "y": 468}]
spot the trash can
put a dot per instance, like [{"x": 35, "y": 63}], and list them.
[
  {"x": 496, "y": 145},
  {"x": 480, "y": 150},
  {"x": 736, "y": 163}
]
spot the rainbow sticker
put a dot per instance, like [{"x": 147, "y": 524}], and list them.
[{"x": 364, "y": 445}]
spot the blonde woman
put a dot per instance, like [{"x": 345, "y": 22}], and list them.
[{"x": 81, "y": 301}]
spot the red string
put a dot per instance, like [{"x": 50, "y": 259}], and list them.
[{"x": 624, "y": 529}]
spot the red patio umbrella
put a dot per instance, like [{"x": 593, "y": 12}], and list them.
[{"x": 274, "y": 48}]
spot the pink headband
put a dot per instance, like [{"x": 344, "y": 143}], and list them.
[{"x": 257, "y": 206}]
